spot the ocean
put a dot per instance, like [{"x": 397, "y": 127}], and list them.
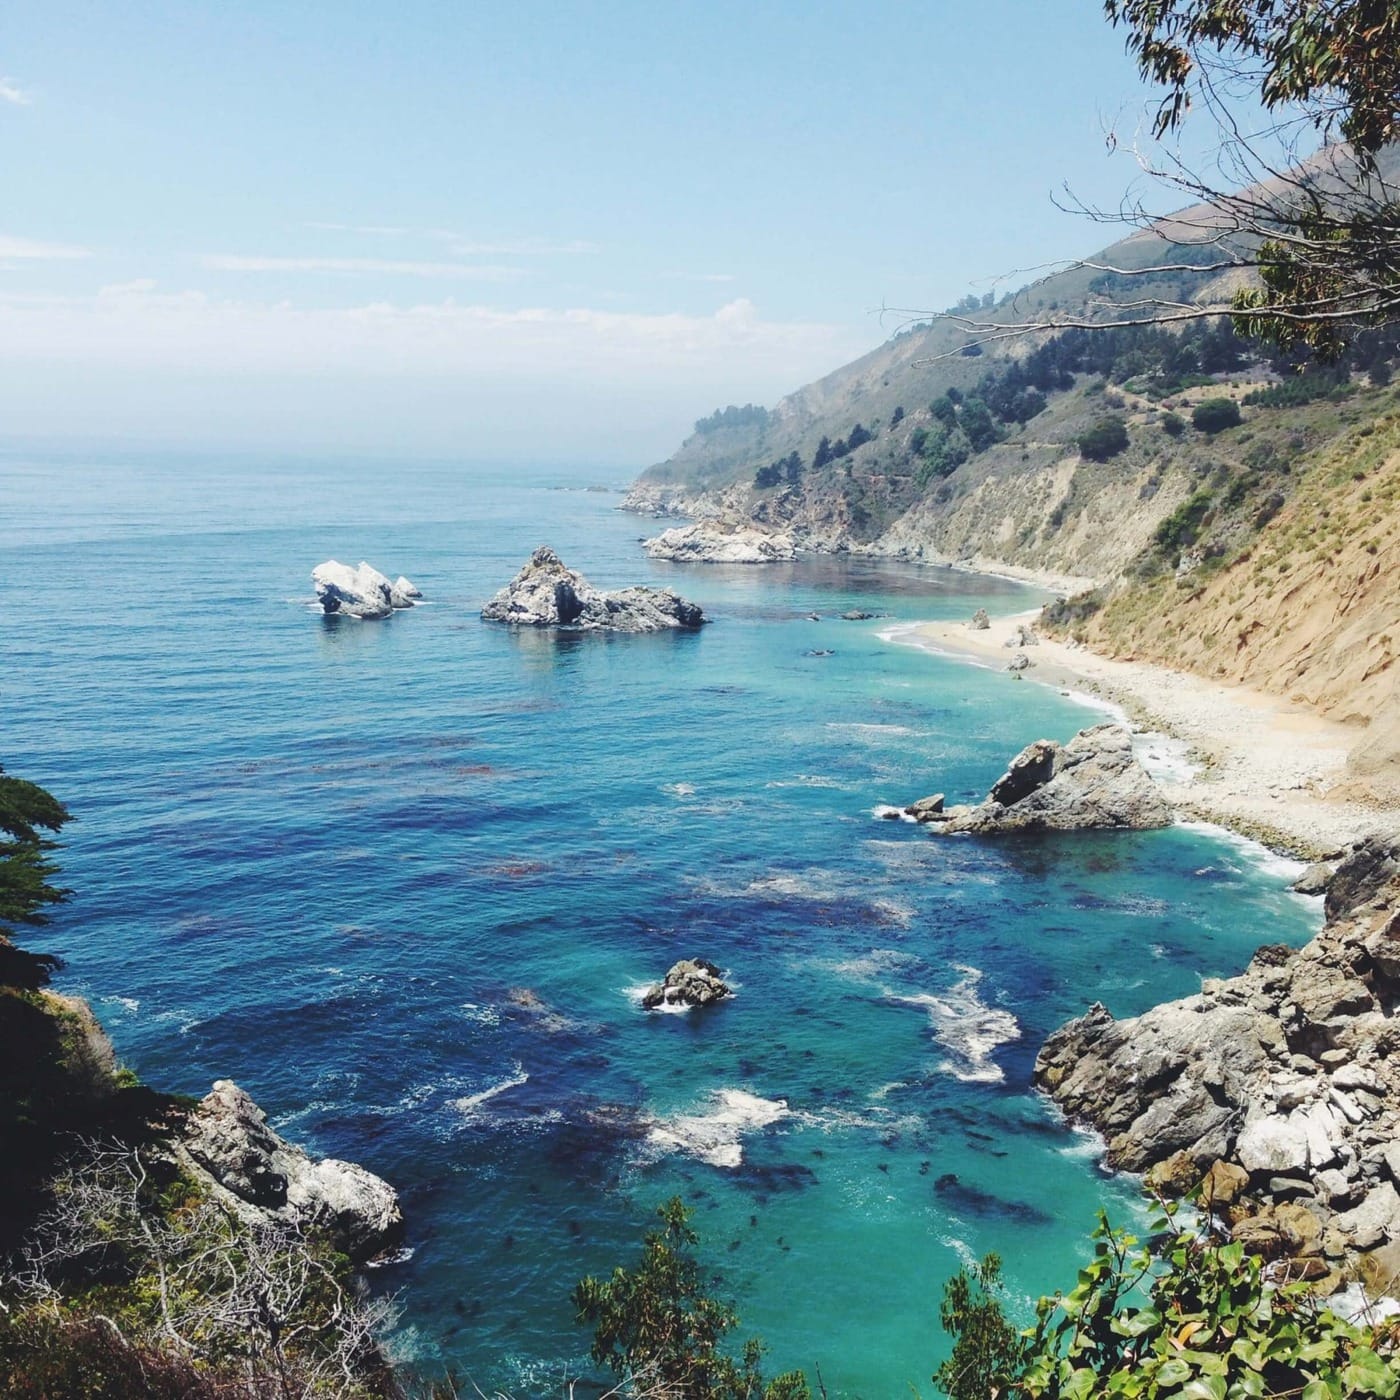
[{"x": 404, "y": 881}]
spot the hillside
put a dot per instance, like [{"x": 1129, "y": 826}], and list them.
[{"x": 1257, "y": 546}]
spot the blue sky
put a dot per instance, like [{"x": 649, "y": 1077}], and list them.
[{"x": 529, "y": 230}]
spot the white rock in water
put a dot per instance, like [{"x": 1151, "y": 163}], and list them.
[
  {"x": 363, "y": 592},
  {"x": 710, "y": 543}
]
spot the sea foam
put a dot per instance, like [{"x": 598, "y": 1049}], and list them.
[{"x": 716, "y": 1136}]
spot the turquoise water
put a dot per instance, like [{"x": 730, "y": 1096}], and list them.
[{"x": 326, "y": 859}]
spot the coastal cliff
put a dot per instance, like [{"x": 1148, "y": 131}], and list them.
[{"x": 1278, "y": 1088}]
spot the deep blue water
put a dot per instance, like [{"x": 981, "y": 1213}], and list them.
[{"x": 402, "y": 881}]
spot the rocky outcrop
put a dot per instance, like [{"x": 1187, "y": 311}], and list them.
[
  {"x": 713, "y": 543},
  {"x": 1093, "y": 781},
  {"x": 1283, "y": 1080},
  {"x": 260, "y": 1175},
  {"x": 1022, "y": 636},
  {"x": 691, "y": 982},
  {"x": 545, "y": 593},
  {"x": 361, "y": 592},
  {"x": 980, "y": 621}
]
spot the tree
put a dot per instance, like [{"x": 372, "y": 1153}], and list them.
[
  {"x": 27, "y": 869},
  {"x": 823, "y": 454},
  {"x": 897, "y": 417},
  {"x": 1215, "y": 415},
  {"x": 656, "y": 1328},
  {"x": 1107, "y": 438},
  {"x": 988, "y": 1350},
  {"x": 1315, "y": 232}
]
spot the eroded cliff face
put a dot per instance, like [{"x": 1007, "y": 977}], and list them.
[{"x": 1310, "y": 609}]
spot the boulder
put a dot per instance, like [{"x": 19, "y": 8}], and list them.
[
  {"x": 712, "y": 542},
  {"x": 1022, "y": 636},
  {"x": 926, "y": 809},
  {"x": 1020, "y": 662},
  {"x": 690, "y": 982},
  {"x": 226, "y": 1140},
  {"x": 1376, "y": 1221},
  {"x": 1093, "y": 781},
  {"x": 361, "y": 592},
  {"x": 1313, "y": 880},
  {"x": 980, "y": 621},
  {"x": 545, "y": 593}
]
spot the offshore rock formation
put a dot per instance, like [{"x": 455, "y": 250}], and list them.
[
  {"x": 1094, "y": 780},
  {"x": 260, "y": 1175},
  {"x": 547, "y": 594},
  {"x": 363, "y": 592},
  {"x": 1281, "y": 1084},
  {"x": 690, "y": 982},
  {"x": 713, "y": 543}
]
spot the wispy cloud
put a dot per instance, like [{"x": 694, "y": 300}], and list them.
[
  {"x": 395, "y": 267},
  {"x": 29, "y": 249},
  {"x": 13, "y": 94},
  {"x": 461, "y": 245},
  {"x": 524, "y": 247}
]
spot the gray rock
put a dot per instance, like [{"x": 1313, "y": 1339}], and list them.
[
  {"x": 1313, "y": 880},
  {"x": 547, "y": 594},
  {"x": 1022, "y": 636},
  {"x": 1375, "y": 1221},
  {"x": 926, "y": 809},
  {"x": 980, "y": 621},
  {"x": 1020, "y": 662},
  {"x": 227, "y": 1140},
  {"x": 1093, "y": 781},
  {"x": 690, "y": 982},
  {"x": 1236, "y": 1068}
]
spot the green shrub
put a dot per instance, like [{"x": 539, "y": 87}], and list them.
[
  {"x": 1194, "y": 1319},
  {"x": 1107, "y": 438},
  {"x": 1173, "y": 424},
  {"x": 1215, "y": 415}
]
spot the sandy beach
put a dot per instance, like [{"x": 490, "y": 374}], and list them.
[{"x": 1260, "y": 765}]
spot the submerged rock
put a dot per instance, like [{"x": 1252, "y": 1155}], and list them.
[
  {"x": 1093, "y": 781},
  {"x": 711, "y": 542},
  {"x": 691, "y": 982},
  {"x": 360, "y": 592},
  {"x": 545, "y": 593},
  {"x": 227, "y": 1140},
  {"x": 1279, "y": 1086}
]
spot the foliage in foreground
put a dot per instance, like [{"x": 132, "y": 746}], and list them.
[
  {"x": 658, "y": 1331},
  {"x": 1192, "y": 1319},
  {"x": 131, "y": 1287}
]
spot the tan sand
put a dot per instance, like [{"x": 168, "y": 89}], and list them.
[{"x": 1267, "y": 768}]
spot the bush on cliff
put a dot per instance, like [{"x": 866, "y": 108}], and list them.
[
  {"x": 27, "y": 869},
  {"x": 1192, "y": 1318},
  {"x": 658, "y": 1331}
]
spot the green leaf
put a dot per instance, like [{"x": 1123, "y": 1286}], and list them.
[
  {"x": 1173, "y": 1371},
  {"x": 1205, "y": 1388}
]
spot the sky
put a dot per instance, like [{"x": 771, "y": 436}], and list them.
[{"x": 525, "y": 230}]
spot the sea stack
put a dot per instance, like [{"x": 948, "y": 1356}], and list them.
[
  {"x": 546, "y": 593},
  {"x": 362, "y": 592}
]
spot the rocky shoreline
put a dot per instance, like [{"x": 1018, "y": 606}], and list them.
[{"x": 1277, "y": 1092}]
